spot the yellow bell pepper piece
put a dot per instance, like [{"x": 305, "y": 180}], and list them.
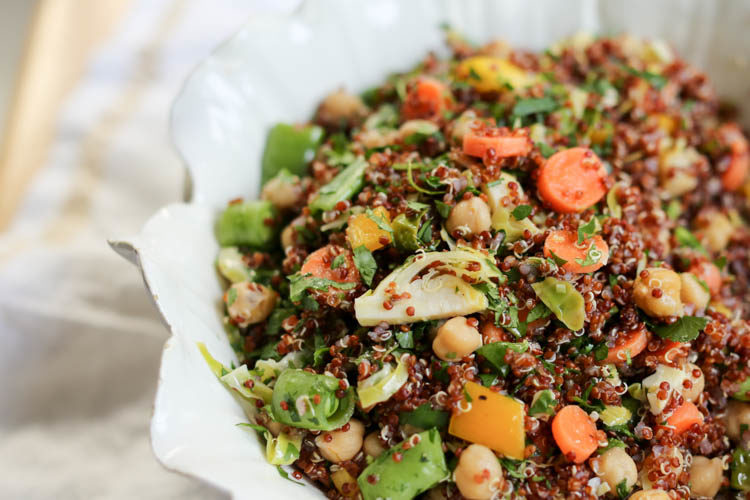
[
  {"x": 494, "y": 420},
  {"x": 345, "y": 483},
  {"x": 487, "y": 73},
  {"x": 363, "y": 230}
]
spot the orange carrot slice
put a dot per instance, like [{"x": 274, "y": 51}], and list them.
[
  {"x": 320, "y": 261},
  {"x": 575, "y": 433},
  {"x": 685, "y": 417},
  {"x": 635, "y": 342},
  {"x": 427, "y": 99},
  {"x": 670, "y": 352},
  {"x": 710, "y": 274},
  {"x": 564, "y": 244},
  {"x": 478, "y": 144},
  {"x": 739, "y": 159},
  {"x": 572, "y": 180}
]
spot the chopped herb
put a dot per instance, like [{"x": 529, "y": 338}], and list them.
[
  {"x": 338, "y": 261},
  {"x": 424, "y": 417},
  {"x": 656, "y": 81},
  {"x": 285, "y": 475},
  {"x": 532, "y": 106},
  {"x": 495, "y": 352},
  {"x": 300, "y": 283},
  {"x": 231, "y": 296},
  {"x": 684, "y": 329},
  {"x": 587, "y": 230},
  {"x": 443, "y": 209},
  {"x": 623, "y": 489},
  {"x": 593, "y": 254},
  {"x": 405, "y": 339},
  {"x": 674, "y": 209},
  {"x": 273, "y": 325},
  {"x": 687, "y": 239},
  {"x": 545, "y": 149},
  {"x": 521, "y": 211},
  {"x": 721, "y": 262},
  {"x": 417, "y": 206},
  {"x": 474, "y": 75},
  {"x": 544, "y": 403},
  {"x": 558, "y": 260},
  {"x": 601, "y": 352},
  {"x": 365, "y": 263}
]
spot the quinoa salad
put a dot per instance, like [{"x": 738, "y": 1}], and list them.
[{"x": 501, "y": 274}]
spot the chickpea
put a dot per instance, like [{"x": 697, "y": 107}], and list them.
[
  {"x": 373, "y": 446},
  {"x": 615, "y": 465},
  {"x": 650, "y": 495},
  {"x": 699, "y": 383},
  {"x": 478, "y": 474},
  {"x": 283, "y": 191},
  {"x": 664, "y": 302},
  {"x": 716, "y": 232},
  {"x": 375, "y": 138},
  {"x": 738, "y": 414},
  {"x": 456, "y": 339},
  {"x": 692, "y": 291},
  {"x": 469, "y": 217},
  {"x": 339, "y": 445},
  {"x": 706, "y": 476},
  {"x": 288, "y": 233},
  {"x": 249, "y": 303},
  {"x": 677, "y": 170},
  {"x": 341, "y": 107}
]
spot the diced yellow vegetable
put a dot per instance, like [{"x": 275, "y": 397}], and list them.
[
  {"x": 363, "y": 230},
  {"x": 345, "y": 483},
  {"x": 487, "y": 73},
  {"x": 494, "y": 420}
]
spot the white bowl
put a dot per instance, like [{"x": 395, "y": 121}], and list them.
[{"x": 276, "y": 69}]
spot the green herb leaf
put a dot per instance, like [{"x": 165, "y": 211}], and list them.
[
  {"x": 623, "y": 489},
  {"x": 593, "y": 254},
  {"x": 656, "y": 81},
  {"x": 300, "y": 283},
  {"x": 473, "y": 74},
  {"x": 338, "y": 261},
  {"x": 417, "y": 206},
  {"x": 404, "y": 339},
  {"x": 365, "y": 263},
  {"x": 587, "y": 230},
  {"x": 424, "y": 417},
  {"x": 273, "y": 325},
  {"x": 721, "y": 262},
  {"x": 443, "y": 209},
  {"x": 558, "y": 260},
  {"x": 687, "y": 239},
  {"x": 285, "y": 475},
  {"x": 545, "y": 149},
  {"x": 544, "y": 403},
  {"x": 488, "y": 379},
  {"x": 231, "y": 296},
  {"x": 674, "y": 209},
  {"x": 494, "y": 353},
  {"x": 684, "y": 329},
  {"x": 532, "y": 106},
  {"x": 521, "y": 211},
  {"x": 601, "y": 352}
]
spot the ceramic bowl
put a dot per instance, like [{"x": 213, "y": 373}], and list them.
[{"x": 276, "y": 69}]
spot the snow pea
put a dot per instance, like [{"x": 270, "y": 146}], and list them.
[
  {"x": 346, "y": 184},
  {"x": 289, "y": 147},
  {"x": 308, "y": 401},
  {"x": 421, "y": 466},
  {"x": 245, "y": 224}
]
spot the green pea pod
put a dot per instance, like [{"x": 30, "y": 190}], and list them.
[
  {"x": 294, "y": 401},
  {"x": 245, "y": 224},
  {"x": 290, "y": 148},
  {"x": 740, "y": 469},
  {"x": 743, "y": 391},
  {"x": 346, "y": 184},
  {"x": 422, "y": 466},
  {"x": 563, "y": 300},
  {"x": 405, "y": 232}
]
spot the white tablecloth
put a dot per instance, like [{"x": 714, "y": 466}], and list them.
[{"x": 80, "y": 341}]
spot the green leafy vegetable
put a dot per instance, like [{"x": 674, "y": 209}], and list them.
[
  {"x": 495, "y": 354},
  {"x": 346, "y": 184},
  {"x": 338, "y": 261},
  {"x": 301, "y": 283},
  {"x": 521, "y": 211},
  {"x": 687, "y": 239},
  {"x": 684, "y": 329},
  {"x": 365, "y": 263},
  {"x": 532, "y": 106},
  {"x": 585, "y": 231},
  {"x": 593, "y": 254},
  {"x": 285, "y": 475},
  {"x": 656, "y": 81},
  {"x": 424, "y": 417}
]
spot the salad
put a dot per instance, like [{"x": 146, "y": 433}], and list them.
[{"x": 501, "y": 274}]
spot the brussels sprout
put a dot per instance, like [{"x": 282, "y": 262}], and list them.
[
  {"x": 563, "y": 300},
  {"x": 245, "y": 224},
  {"x": 291, "y": 148}
]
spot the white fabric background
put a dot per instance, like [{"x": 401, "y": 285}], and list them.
[{"x": 80, "y": 341}]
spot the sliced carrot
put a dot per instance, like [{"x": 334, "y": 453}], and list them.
[
  {"x": 575, "y": 433},
  {"x": 478, "y": 144},
  {"x": 564, "y": 244},
  {"x": 572, "y": 180},
  {"x": 731, "y": 136},
  {"x": 635, "y": 342},
  {"x": 710, "y": 274},
  {"x": 685, "y": 417},
  {"x": 735, "y": 174},
  {"x": 428, "y": 98},
  {"x": 670, "y": 352},
  {"x": 491, "y": 332},
  {"x": 320, "y": 261}
]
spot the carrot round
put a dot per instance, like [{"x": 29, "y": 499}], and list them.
[
  {"x": 710, "y": 274},
  {"x": 684, "y": 417},
  {"x": 635, "y": 342},
  {"x": 575, "y": 433},
  {"x": 739, "y": 159},
  {"x": 477, "y": 144},
  {"x": 572, "y": 180},
  {"x": 427, "y": 98},
  {"x": 564, "y": 244},
  {"x": 320, "y": 261},
  {"x": 670, "y": 351}
]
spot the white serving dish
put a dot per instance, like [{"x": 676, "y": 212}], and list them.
[{"x": 276, "y": 69}]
